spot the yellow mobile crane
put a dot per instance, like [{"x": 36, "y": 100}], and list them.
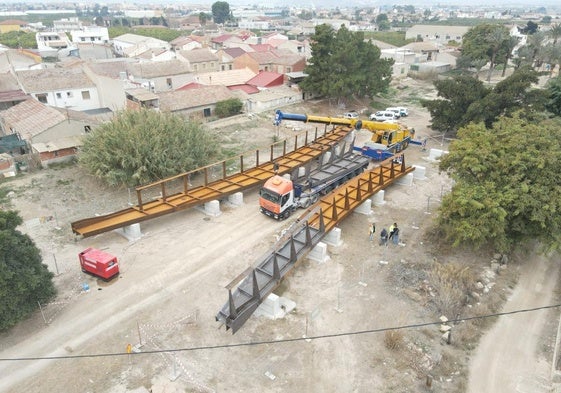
[{"x": 387, "y": 138}]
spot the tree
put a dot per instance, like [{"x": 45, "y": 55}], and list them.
[
  {"x": 510, "y": 95},
  {"x": 449, "y": 112},
  {"x": 531, "y": 28},
  {"x": 554, "y": 95},
  {"x": 555, "y": 32},
  {"x": 382, "y": 22},
  {"x": 510, "y": 44},
  {"x": 220, "y": 12},
  {"x": 138, "y": 147},
  {"x": 506, "y": 189},
  {"x": 24, "y": 280},
  {"x": 486, "y": 42},
  {"x": 465, "y": 100},
  {"x": 230, "y": 107},
  {"x": 344, "y": 65},
  {"x": 19, "y": 39}
]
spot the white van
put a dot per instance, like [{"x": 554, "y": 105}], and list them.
[
  {"x": 397, "y": 111},
  {"x": 402, "y": 111},
  {"x": 383, "y": 116}
]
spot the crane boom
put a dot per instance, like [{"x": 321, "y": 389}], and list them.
[{"x": 387, "y": 138}]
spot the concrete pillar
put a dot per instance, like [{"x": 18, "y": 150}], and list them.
[
  {"x": 319, "y": 253},
  {"x": 406, "y": 180},
  {"x": 378, "y": 198},
  {"x": 274, "y": 307},
  {"x": 212, "y": 208},
  {"x": 326, "y": 157},
  {"x": 419, "y": 172},
  {"x": 236, "y": 199},
  {"x": 333, "y": 237},
  {"x": 130, "y": 232},
  {"x": 364, "y": 208}
]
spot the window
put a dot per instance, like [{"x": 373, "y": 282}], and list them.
[
  {"x": 41, "y": 98},
  {"x": 69, "y": 94},
  {"x": 85, "y": 95},
  {"x": 58, "y": 95},
  {"x": 168, "y": 81},
  {"x": 195, "y": 66},
  {"x": 223, "y": 68},
  {"x": 230, "y": 67},
  {"x": 206, "y": 112}
]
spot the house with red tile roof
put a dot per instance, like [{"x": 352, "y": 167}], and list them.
[{"x": 266, "y": 79}]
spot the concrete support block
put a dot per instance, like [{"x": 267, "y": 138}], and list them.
[
  {"x": 236, "y": 199},
  {"x": 319, "y": 253},
  {"x": 378, "y": 198},
  {"x": 301, "y": 171},
  {"x": 333, "y": 237},
  {"x": 406, "y": 180},
  {"x": 212, "y": 208},
  {"x": 326, "y": 157},
  {"x": 130, "y": 232},
  {"x": 364, "y": 208},
  {"x": 435, "y": 154},
  {"x": 419, "y": 172},
  {"x": 274, "y": 307}
]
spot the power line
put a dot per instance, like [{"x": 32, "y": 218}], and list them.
[{"x": 286, "y": 340}]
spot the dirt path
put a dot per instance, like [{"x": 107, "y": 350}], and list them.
[{"x": 508, "y": 358}]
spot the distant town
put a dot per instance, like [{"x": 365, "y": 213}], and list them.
[{"x": 65, "y": 69}]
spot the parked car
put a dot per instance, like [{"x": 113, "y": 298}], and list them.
[
  {"x": 399, "y": 110},
  {"x": 350, "y": 115},
  {"x": 383, "y": 116}
]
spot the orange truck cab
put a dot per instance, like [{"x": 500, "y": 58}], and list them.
[
  {"x": 99, "y": 263},
  {"x": 276, "y": 197}
]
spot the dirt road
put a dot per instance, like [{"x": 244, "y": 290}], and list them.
[{"x": 508, "y": 358}]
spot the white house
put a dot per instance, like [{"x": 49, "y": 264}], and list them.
[
  {"x": 50, "y": 43},
  {"x": 131, "y": 45},
  {"x": 68, "y": 88},
  {"x": 92, "y": 34}
]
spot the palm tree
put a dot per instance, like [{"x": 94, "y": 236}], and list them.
[
  {"x": 509, "y": 45},
  {"x": 497, "y": 38},
  {"x": 555, "y": 32}
]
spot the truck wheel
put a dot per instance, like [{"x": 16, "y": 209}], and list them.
[
  {"x": 314, "y": 199},
  {"x": 307, "y": 204}
]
